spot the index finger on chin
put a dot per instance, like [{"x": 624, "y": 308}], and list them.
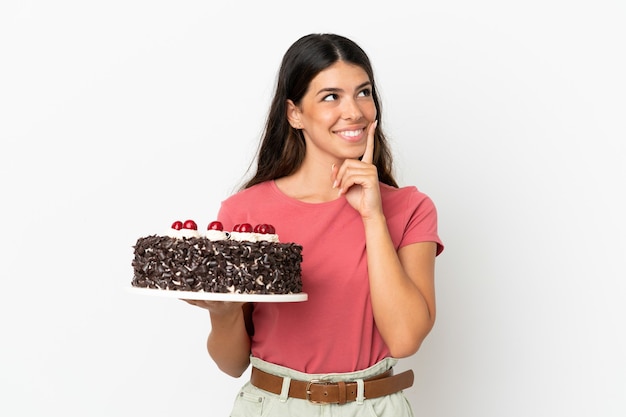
[{"x": 368, "y": 155}]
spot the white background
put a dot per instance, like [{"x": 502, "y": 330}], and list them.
[{"x": 118, "y": 117}]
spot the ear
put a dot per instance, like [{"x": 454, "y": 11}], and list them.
[{"x": 293, "y": 115}]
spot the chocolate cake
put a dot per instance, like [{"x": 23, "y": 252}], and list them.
[{"x": 247, "y": 260}]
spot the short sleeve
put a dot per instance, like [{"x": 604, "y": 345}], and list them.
[{"x": 421, "y": 221}]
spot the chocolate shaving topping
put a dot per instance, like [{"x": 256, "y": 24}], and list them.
[{"x": 224, "y": 266}]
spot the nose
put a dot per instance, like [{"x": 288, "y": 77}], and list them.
[{"x": 351, "y": 110}]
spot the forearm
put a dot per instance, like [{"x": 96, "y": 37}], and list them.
[
  {"x": 229, "y": 343},
  {"x": 402, "y": 295}
]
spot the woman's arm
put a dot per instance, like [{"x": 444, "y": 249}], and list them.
[
  {"x": 401, "y": 283},
  {"x": 228, "y": 343},
  {"x": 402, "y": 288}
]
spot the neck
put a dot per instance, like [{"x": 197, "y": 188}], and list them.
[{"x": 312, "y": 183}]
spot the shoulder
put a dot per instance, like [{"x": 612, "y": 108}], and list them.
[
  {"x": 248, "y": 194},
  {"x": 257, "y": 204},
  {"x": 407, "y": 203},
  {"x": 411, "y": 216},
  {"x": 409, "y": 195}
]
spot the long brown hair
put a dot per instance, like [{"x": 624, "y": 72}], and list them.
[{"x": 282, "y": 147}]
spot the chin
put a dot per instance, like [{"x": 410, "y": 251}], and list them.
[
  {"x": 353, "y": 152},
  {"x": 356, "y": 155}
]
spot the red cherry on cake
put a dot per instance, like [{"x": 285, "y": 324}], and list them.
[
  {"x": 215, "y": 226},
  {"x": 190, "y": 224},
  {"x": 177, "y": 225},
  {"x": 265, "y": 229},
  {"x": 245, "y": 228},
  {"x": 236, "y": 227}
]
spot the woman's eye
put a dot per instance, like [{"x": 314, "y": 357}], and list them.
[
  {"x": 330, "y": 97},
  {"x": 365, "y": 93}
]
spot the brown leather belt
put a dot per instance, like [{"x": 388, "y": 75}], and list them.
[{"x": 321, "y": 392}]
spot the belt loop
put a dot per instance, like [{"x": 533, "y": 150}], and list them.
[
  {"x": 342, "y": 395},
  {"x": 284, "y": 392},
  {"x": 360, "y": 391}
]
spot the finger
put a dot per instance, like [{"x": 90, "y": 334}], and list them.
[
  {"x": 356, "y": 175},
  {"x": 333, "y": 175},
  {"x": 368, "y": 156},
  {"x": 195, "y": 303}
]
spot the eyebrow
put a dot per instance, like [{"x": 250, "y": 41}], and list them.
[{"x": 334, "y": 89}]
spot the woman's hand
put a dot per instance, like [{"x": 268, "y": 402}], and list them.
[
  {"x": 358, "y": 180},
  {"x": 229, "y": 340},
  {"x": 217, "y": 308}
]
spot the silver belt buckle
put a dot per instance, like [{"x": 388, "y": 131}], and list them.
[{"x": 308, "y": 391}]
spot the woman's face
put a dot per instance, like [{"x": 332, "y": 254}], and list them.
[{"x": 335, "y": 112}]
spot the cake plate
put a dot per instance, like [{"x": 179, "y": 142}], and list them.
[{"x": 214, "y": 296}]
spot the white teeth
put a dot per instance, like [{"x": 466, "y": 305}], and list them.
[{"x": 352, "y": 132}]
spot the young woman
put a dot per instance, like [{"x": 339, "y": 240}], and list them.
[{"x": 324, "y": 180}]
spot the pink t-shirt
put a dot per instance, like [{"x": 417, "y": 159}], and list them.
[{"x": 334, "y": 330}]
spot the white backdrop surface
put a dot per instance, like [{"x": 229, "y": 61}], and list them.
[{"x": 118, "y": 117}]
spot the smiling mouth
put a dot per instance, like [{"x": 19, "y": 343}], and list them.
[{"x": 351, "y": 134}]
